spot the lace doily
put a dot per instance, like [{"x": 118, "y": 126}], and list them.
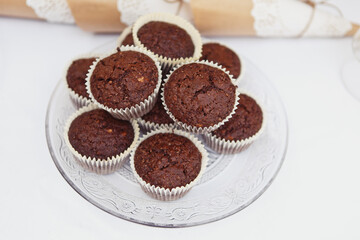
[
  {"x": 280, "y": 18},
  {"x": 52, "y": 10},
  {"x": 288, "y": 18},
  {"x": 132, "y": 9}
]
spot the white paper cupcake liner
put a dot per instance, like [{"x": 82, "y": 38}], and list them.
[
  {"x": 123, "y": 35},
  {"x": 242, "y": 64},
  {"x": 221, "y": 145},
  {"x": 168, "y": 63},
  {"x": 139, "y": 109},
  {"x": 167, "y": 194},
  {"x": 100, "y": 166},
  {"x": 150, "y": 126},
  {"x": 78, "y": 100},
  {"x": 194, "y": 129}
]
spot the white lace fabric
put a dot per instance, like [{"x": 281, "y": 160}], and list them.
[
  {"x": 132, "y": 9},
  {"x": 272, "y": 18},
  {"x": 288, "y": 18},
  {"x": 52, "y": 10}
]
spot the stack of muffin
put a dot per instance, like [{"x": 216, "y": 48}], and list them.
[{"x": 163, "y": 78}]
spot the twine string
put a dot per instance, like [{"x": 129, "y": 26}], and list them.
[{"x": 313, "y": 5}]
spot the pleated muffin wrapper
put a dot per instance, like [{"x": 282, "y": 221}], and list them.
[
  {"x": 194, "y": 129},
  {"x": 99, "y": 166},
  {"x": 150, "y": 126},
  {"x": 168, "y": 63},
  {"x": 167, "y": 194},
  {"x": 224, "y": 146},
  {"x": 139, "y": 109},
  {"x": 123, "y": 35},
  {"x": 242, "y": 65},
  {"x": 78, "y": 100}
]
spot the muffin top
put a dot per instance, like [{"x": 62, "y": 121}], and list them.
[
  {"x": 167, "y": 160},
  {"x": 128, "y": 40},
  {"x": 97, "y": 134},
  {"x": 246, "y": 121},
  {"x": 158, "y": 114},
  {"x": 199, "y": 95},
  {"x": 76, "y": 75},
  {"x": 167, "y": 40},
  {"x": 124, "y": 79},
  {"x": 223, "y": 56}
]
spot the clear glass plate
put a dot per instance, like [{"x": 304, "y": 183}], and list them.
[{"x": 230, "y": 183}]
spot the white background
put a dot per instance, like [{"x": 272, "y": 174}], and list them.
[{"x": 316, "y": 194}]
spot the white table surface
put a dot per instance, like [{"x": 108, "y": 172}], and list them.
[{"x": 315, "y": 195}]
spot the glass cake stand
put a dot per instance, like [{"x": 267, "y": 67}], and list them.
[{"x": 230, "y": 183}]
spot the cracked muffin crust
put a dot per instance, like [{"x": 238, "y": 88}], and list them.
[
  {"x": 199, "y": 95},
  {"x": 246, "y": 121},
  {"x": 166, "y": 39},
  {"x": 76, "y": 75},
  {"x": 222, "y": 55},
  {"x": 124, "y": 79},
  {"x": 167, "y": 160},
  {"x": 97, "y": 134}
]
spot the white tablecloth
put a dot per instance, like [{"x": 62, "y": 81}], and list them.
[{"x": 316, "y": 194}]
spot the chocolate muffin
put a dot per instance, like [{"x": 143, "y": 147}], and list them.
[
  {"x": 96, "y": 134},
  {"x": 166, "y": 39},
  {"x": 167, "y": 160},
  {"x": 246, "y": 121},
  {"x": 222, "y": 55},
  {"x": 128, "y": 40},
  {"x": 244, "y": 127},
  {"x": 158, "y": 114},
  {"x": 199, "y": 95},
  {"x": 124, "y": 79},
  {"x": 76, "y": 75}
]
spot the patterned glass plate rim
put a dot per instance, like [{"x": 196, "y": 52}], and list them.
[{"x": 230, "y": 183}]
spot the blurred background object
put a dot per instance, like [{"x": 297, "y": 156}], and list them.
[
  {"x": 351, "y": 69},
  {"x": 265, "y": 18}
]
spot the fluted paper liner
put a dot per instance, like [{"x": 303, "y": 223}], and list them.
[
  {"x": 200, "y": 130},
  {"x": 167, "y": 194},
  {"x": 168, "y": 63},
  {"x": 221, "y": 145},
  {"x": 242, "y": 65},
  {"x": 149, "y": 126},
  {"x": 139, "y": 109},
  {"x": 100, "y": 166},
  {"x": 123, "y": 35},
  {"x": 78, "y": 100}
]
